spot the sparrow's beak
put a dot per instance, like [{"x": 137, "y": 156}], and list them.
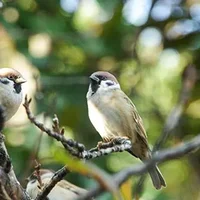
[
  {"x": 20, "y": 80},
  {"x": 94, "y": 78}
]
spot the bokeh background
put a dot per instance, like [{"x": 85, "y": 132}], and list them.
[{"x": 57, "y": 44}]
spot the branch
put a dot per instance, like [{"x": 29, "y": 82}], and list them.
[
  {"x": 58, "y": 176},
  {"x": 10, "y": 188},
  {"x": 78, "y": 150},
  {"x": 159, "y": 157},
  {"x": 73, "y": 147}
]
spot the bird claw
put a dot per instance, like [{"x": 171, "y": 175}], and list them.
[
  {"x": 120, "y": 140},
  {"x": 110, "y": 143},
  {"x": 100, "y": 144}
]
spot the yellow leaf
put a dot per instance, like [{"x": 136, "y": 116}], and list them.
[{"x": 126, "y": 190}]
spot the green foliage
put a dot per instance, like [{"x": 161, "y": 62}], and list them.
[{"x": 67, "y": 46}]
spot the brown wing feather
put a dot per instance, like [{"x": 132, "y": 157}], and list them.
[
  {"x": 137, "y": 118},
  {"x": 141, "y": 139}
]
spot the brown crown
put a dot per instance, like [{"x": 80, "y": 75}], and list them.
[
  {"x": 105, "y": 75},
  {"x": 9, "y": 72}
]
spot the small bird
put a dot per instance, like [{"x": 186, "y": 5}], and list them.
[
  {"x": 114, "y": 115},
  {"x": 10, "y": 91},
  {"x": 63, "y": 190}
]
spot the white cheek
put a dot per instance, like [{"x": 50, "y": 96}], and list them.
[{"x": 108, "y": 84}]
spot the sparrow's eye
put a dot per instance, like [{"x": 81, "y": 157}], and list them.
[
  {"x": 10, "y": 77},
  {"x": 102, "y": 78}
]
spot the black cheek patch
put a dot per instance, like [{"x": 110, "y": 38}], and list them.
[
  {"x": 4, "y": 81},
  {"x": 94, "y": 87},
  {"x": 109, "y": 83},
  {"x": 17, "y": 88}
]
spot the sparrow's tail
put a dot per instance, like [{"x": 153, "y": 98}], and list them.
[
  {"x": 157, "y": 178},
  {"x": 154, "y": 172}
]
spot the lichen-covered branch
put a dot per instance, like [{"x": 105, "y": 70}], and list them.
[{"x": 75, "y": 148}]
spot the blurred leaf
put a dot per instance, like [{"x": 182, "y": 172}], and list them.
[
  {"x": 88, "y": 169},
  {"x": 126, "y": 190}
]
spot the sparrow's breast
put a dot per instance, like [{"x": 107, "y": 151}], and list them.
[
  {"x": 108, "y": 117},
  {"x": 10, "y": 101}
]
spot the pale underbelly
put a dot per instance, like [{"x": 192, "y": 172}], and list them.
[{"x": 107, "y": 127}]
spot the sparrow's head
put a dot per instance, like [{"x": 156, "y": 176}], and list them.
[
  {"x": 10, "y": 78},
  {"x": 102, "y": 81}
]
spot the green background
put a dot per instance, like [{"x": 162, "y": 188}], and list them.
[{"x": 146, "y": 45}]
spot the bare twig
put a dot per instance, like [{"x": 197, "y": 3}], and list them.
[
  {"x": 37, "y": 174},
  {"x": 58, "y": 176},
  {"x": 159, "y": 157},
  {"x": 56, "y": 127},
  {"x": 77, "y": 149},
  {"x": 68, "y": 144}
]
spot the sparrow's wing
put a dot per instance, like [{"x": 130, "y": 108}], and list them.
[{"x": 136, "y": 117}]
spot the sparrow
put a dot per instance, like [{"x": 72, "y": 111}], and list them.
[
  {"x": 114, "y": 115},
  {"x": 10, "y": 91},
  {"x": 63, "y": 190}
]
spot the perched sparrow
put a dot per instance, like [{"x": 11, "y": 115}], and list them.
[
  {"x": 10, "y": 91},
  {"x": 63, "y": 190},
  {"x": 114, "y": 115}
]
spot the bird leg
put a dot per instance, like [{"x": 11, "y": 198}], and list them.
[
  {"x": 103, "y": 145},
  {"x": 111, "y": 142},
  {"x": 120, "y": 140}
]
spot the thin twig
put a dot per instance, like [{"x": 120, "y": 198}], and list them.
[
  {"x": 37, "y": 174},
  {"x": 58, "y": 176},
  {"x": 56, "y": 127}
]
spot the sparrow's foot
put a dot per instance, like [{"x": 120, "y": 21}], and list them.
[
  {"x": 100, "y": 145},
  {"x": 104, "y": 144},
  {"x": 120, "y": 140}
]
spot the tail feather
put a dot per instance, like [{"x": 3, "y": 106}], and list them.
[
  {"x": 157, "y": 178},
  {"x": 144, "y": 155}
]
